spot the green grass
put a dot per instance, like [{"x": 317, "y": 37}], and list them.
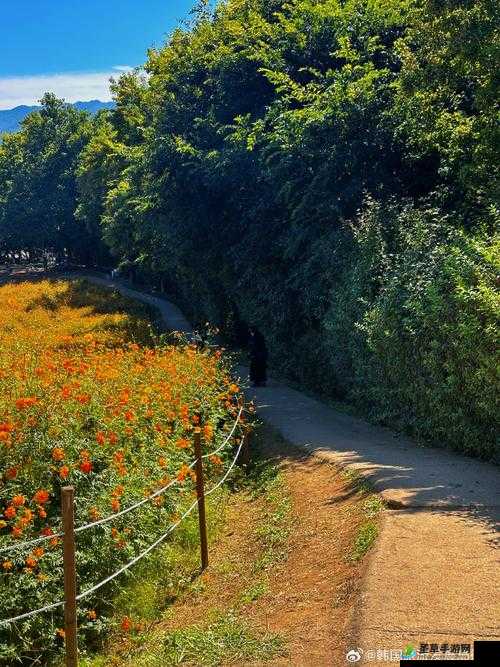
[
  {"x": 275, "y": 528},
  {"x": 254, "y": 592},
  {"x": 367, "y": 533},
  {"x": 373, "y": 505},
  {"x": 360, "y": 483},
  {"x": 227, "y": 639},
  {"x": 368, "y": 530},
  {"x": 267, "y": 481},
  {"x": 171, "y": 572},
  {"x": 167, "y": 573}
]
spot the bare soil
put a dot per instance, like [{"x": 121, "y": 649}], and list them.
[{"x": 310, "y": 595}]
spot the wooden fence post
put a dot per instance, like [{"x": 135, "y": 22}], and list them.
[
  {"x": 68, "y": 510},
  {"x": 200, "y": 492},
  {"x": 245, "y": 448}
]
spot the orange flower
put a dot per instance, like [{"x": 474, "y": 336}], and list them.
[
  {"x": 91, "y": 615},
  {"x": 11, "y": 473},
  {"x": 58, "y": 454},
  {"x": 115, "y": 505},
  {"x": 129, "y": 416},
  {"x": 66, "y": 393},
  {"x": 100, "y": 438},
  {"x": 6, "y": 427},
  {"x": 118, "y": 457},
  {"x": 113, "y": 438},
  {"x": 41, "y": 496},
  {"x": 31, "y": 562},
  {"x": 83, "y": 398},
  {"x": 10, "y": 512},
  {"x": 216, "y": 460},
  {"x": 126, "y": 624},
  {"x": 162, "y": 462},
  {"x": 208, "y": 431},
  {"x": 94, "y": 513},
  {"x": 27, "y": 516},
  {"x": 38, "y": 552},
  {"x": 7, "y": 565},
  {"x": 19, "y": 500},
  {"x": 42, "y": 514},
  {"x": 24, "y": 403},
  {"x": 86, "y": 466},
  {"x": 183, "y": 443},
  {"x": 183, "y": 472},
  {"x": 46, "y": 531},
  {"x": 64, "y": 472}
]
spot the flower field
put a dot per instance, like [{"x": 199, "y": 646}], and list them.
[{"x": 89, "y": 397}]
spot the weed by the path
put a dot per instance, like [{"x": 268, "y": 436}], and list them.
[
  {"x": 275, "y": 525},
  {"x": 360, "y": 483},
  {"x": 227, "y": 639},
  {"x": 372, "y": 506},
  {"x": 254, "y": 592},
  {"x": 265, "y": 480},
  {"x": 365, "y": 538}
]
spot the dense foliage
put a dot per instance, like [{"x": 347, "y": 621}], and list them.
[
  {"x": 95, "y": 404},
  {"x": 328, "y": 171}
]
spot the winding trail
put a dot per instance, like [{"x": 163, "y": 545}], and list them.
[{"x": 434, "y": 575}]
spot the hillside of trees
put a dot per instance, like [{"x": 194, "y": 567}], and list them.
[{"x": 326, "y": 170}]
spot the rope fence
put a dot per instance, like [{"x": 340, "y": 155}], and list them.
[
  {"x": 71, "y": 598},
  {"x": 111, "y": 517}
]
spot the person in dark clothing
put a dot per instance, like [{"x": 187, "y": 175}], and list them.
[{"x": 258, "y": 358}]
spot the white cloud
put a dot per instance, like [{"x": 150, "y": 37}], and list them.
[
  {"x": 123, "y": 68},
  {"x": 73, "y": 87}
]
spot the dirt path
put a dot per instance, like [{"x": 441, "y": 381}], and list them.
[
  {"x": 434, "y": 576},
  {"x": 312, "y": 594},
  {"x": 300, "y": 581}
]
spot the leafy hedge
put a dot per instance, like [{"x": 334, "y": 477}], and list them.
[{"x": 412, "y": 328}]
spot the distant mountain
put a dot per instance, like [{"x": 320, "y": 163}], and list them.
[{"x": 10, "y": 119}]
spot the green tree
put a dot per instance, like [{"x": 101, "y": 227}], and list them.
[
  {"x": 38, "y": 184},
  {"x": 448, "y": 98}
]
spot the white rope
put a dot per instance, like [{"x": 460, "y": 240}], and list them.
[
  {"x": 37, "y": 540},
  {"x": 110, "y": 517},
  {"x": 127, "y": 509},
  {"x": 134, "y": 560},
  {"x": 160, "y": 539},
  {"x": 159, "y": 492},
  {"x": 216, "y": 451},
  {"x": 32, "y": 613}
]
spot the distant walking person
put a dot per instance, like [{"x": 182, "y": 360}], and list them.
[{"x": 258, "y": 358}]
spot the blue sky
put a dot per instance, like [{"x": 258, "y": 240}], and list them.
[{"x": 72, "y": 47}]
